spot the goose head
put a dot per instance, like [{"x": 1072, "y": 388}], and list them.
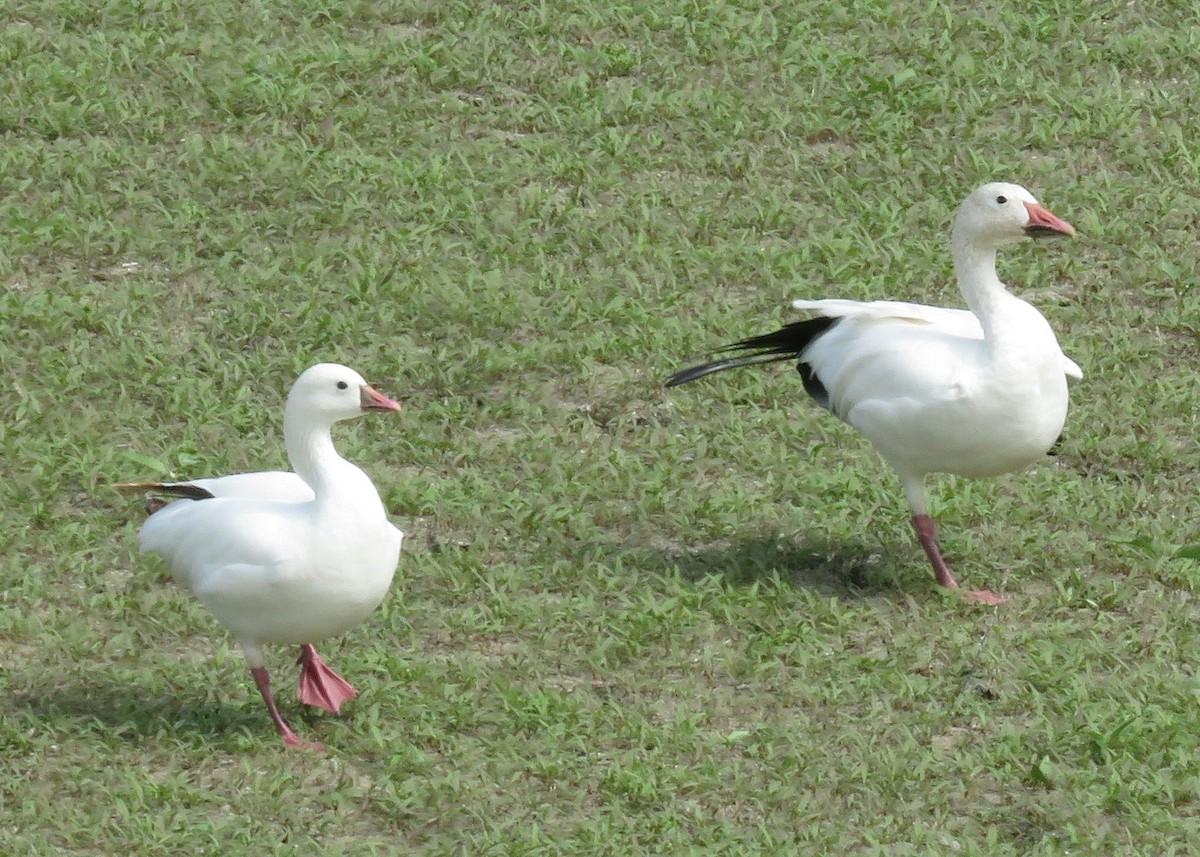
[
  {"x": 1000, "y": 213},
  {"x": 327, "y": 393}
]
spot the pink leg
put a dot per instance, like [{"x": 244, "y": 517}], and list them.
[
  {"x": 925, "y": 528},
  {"x": 319, "y": 685},
  {"x": 288, "y": 736}
]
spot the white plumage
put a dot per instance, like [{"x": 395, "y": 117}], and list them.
[
  {"x": 973, "y": 392},
  {"x": 289, "y": 558}
]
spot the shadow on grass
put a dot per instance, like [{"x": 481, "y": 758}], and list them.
[
  {"x": 115, "y": 709},
  {"x": 847, "y": 570}
]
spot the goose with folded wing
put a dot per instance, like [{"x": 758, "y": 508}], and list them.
[{"x": 286, "y": 558}]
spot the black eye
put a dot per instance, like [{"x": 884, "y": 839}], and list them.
[
  {"x": 1002, "y": 199},
  {"x": 342, "y": 385}
]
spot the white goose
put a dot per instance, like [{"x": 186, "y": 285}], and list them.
[
  {"x": 288, "y": 558},
  {"x": 974, "y": 392}
]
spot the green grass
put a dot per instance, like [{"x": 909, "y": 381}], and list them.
[{"x": 625, "y": 622}]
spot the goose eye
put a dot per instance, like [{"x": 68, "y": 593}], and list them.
[
  {"x": 342, "y": 385},
  {"x": 1002, "y": 199}
]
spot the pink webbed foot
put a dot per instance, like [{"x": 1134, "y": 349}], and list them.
[
  {"x": 289, "y": 737},
  {"x": 320, "y": 686},
  {"x": 983, "y": 596},
  {"x": 296, "y": 744},
  {"x": 923, "y": 524}
]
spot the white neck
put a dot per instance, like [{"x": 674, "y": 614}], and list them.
[
  {"x": 975, "y": 268},
  {"x": 311, "y": 451},
  {"x": 1018, "y": 338},
  {"x": 339, "y": 487}
]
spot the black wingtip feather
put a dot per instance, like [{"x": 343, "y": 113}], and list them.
[
  {"x": 185, "y": 490},
  {"x": 787, "y": 343},
  {"x": 695, "y": 372},
  {"x": 790, "y": 340}
]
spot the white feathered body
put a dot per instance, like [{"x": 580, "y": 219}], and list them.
[
  {"x": 280, "y": 570},
  {"x": 932, "y": 394}
]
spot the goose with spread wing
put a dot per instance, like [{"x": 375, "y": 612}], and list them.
[{"x": 974, "y": 392}]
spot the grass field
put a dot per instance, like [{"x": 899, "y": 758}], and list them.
[{"x": 625, "y": 621}]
